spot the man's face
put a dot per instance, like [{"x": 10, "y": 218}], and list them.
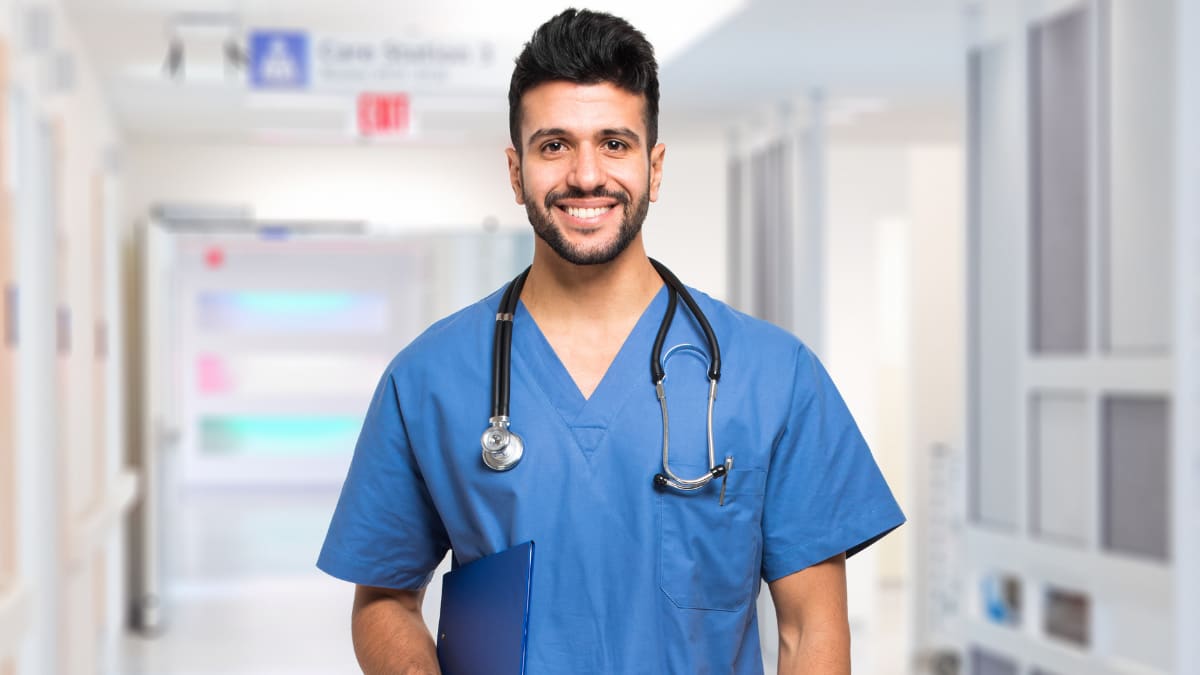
[{"x": 584, "y": 174}]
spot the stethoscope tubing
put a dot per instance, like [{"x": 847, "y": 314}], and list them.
[
  {"x": 676, "y": 287},
  {"x": 502, "y": 448},
  {"x": 502, "y": 345}
]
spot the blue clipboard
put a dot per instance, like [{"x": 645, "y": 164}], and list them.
[{"x": 484, "y": 623}]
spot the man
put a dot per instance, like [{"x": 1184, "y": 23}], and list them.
[{"x": 631, "y": 577}]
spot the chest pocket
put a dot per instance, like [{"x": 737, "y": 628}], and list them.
[{"x": 711, "y": 555}]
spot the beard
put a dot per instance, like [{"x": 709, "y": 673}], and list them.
[{"x": 542, "y": 219}]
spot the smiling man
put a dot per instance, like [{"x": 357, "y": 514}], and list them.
[{"x": 657, "y": 508}]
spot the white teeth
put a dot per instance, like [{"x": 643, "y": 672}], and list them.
[{"x": 586, "y": 213}]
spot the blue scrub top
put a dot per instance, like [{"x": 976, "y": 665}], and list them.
[{"x": 628, "y": 578}]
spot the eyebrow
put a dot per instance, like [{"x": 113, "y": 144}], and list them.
[{"x": 620, "y": 132}]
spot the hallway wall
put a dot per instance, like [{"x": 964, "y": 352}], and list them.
[
  {"x": 63, "y": 597},
  {"x": 421, "y": 187}
]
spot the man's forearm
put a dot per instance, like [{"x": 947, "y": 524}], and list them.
[
  {"x": 814, "y": 630},
  {"x": 814, "y": 652},
  {"x": 390, "y": 637}
]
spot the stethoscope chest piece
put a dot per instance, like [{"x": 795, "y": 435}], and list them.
[{"x": 502, "y": 449}]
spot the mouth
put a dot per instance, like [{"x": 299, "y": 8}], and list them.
[{"x": 586, "y": 213}]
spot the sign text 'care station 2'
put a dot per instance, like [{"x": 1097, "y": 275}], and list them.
[{"x": 289, "y": 59}]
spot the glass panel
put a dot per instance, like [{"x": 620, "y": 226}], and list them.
[
  {"x": 733, "y": 191},
  {"x": 288, "y": 374},
  {"x": 1058, "y": 171},
  {"x": 278, "y": 435},
  {"x": 8, "y": 458},
  {"x": 291, "y": 312},
  {"x": 1136, "y": 489},
  {"x": 1060, "y": 461},
  {"x": 995, "y": 413},
  {"x": 1137, "y": 175},
  {"x": 8, "y": 373},
  {"x": 770, "y": 211}
]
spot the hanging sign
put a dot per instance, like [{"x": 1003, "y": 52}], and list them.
[{"x": 282, "y": 59}]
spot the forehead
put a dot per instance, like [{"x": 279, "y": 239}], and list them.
[{"x": 581, "y": 108}]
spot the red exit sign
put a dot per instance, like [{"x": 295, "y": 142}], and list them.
[{"x": 382, "y": 114}]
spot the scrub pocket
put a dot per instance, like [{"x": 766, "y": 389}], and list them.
[{"x": 710, "y": 554}]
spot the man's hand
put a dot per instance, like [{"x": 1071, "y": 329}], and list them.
[
  {"x": 390, "y": 637},
  {"x": 814, "y": 631}
]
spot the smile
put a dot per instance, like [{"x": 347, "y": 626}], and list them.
[{"x": 588, "y": 213}]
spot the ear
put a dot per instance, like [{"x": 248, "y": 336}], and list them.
[
  {"x": 514, "y": 174},
  {"x": 656, "y": 166}
]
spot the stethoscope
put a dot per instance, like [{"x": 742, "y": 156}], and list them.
[{"x": 503, "y": 448}]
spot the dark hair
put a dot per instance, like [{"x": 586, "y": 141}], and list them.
[{"x": 586, "y": 47}]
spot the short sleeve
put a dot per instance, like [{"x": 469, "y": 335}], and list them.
[
  {"x": 385, "y": 531},
  {"x": 825, "y": 494}
]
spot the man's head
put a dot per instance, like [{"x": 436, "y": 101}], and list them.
[
  {"x": 583, "y": 114},
  {"x": 586, "y": 47}
]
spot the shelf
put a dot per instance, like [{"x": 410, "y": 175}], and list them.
[{"x": 1047, "y": 654}]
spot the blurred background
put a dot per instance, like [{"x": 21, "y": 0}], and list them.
[{"x": 219, "y": 220}]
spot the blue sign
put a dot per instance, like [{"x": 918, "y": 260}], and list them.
[{"x": 279, "y": 59}]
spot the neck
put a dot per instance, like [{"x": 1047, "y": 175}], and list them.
[{"x": 559, "y": 290}]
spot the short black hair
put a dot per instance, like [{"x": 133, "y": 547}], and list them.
[{"x": 586, "y": 47}]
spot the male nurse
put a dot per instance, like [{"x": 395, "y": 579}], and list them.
[{"x": 631, "y": 576}]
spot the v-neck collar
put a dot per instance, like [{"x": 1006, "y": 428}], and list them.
[{"x": 588, "y": 418}]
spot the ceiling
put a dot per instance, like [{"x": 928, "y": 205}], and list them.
[{"x": 886, "y": 67}]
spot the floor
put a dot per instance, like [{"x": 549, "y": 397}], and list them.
[
  {"x": 243, "y": 597},
  {"x": 242, "y": 594}
]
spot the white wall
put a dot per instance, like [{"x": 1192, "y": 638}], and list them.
[
  {"x": 686, "y": 228},
  {"x": 866, "y": 187},
  {"x": 420, "y": 186},
  {"x": 69, "y": 537},
  {"x": 868, "y": 196},
  {"x": 936, "y": 388},
  {"x": 893, "y": 236},
  {"x": 393, "y": 186}
]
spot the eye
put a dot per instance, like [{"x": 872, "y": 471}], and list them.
[
  {"x": 613, "y": 145},
  {"x": 553, "y": 146}
]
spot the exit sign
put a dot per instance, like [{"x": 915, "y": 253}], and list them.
[{"x": 382, "y": 114}]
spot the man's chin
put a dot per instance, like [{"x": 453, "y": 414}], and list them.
[
  {"x": 582, "y": 246},
  {"x": 586, "y": 258}
]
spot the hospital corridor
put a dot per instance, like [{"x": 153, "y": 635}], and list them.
[{"x": 221, "y": 221}]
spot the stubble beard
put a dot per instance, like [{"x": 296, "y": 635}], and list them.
[{"x": 542, "y": 220}]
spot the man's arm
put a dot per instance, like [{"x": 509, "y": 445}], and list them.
[
  {"x": 390, "y": 637},
  {"x": 814, "y": 630}
]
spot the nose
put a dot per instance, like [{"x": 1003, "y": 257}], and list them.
[{"x": 587, "y": 171}]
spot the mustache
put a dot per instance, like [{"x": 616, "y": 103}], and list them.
[{"x": 621, "y": 197}]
